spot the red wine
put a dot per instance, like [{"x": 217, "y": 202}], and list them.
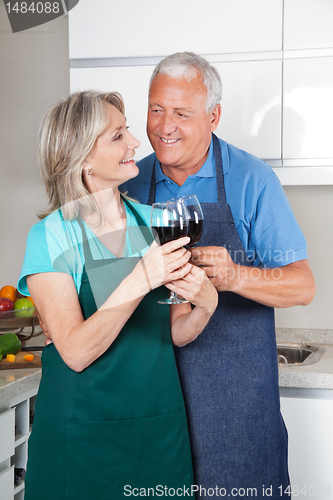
[
  {"x": 194, "y": 231},
  {"x": 169, "y": 233}
]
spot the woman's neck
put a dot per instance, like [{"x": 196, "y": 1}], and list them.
[{"x": 111, "y": 207}]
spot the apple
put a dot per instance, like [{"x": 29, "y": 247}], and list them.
[
  {"x": 23, "y": 308},
  {"x": 5, "y": 305}
]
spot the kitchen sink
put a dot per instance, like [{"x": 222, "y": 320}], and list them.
[{"x": 298, "y": 354}]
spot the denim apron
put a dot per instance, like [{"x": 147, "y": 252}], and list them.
[
  {"x": 120, "y": 424},
  {"x": 229, "y": 378}
]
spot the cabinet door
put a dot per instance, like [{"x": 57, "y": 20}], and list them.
[
  {"x": 309, "y": 424},
  {"x": 251, "y": 102},
  {"x": 131, "y": 28},
  {"x": 251, "y": 106},
  {"x": 308, "y": 108},
  {"x": 7, "y": 484},
  {"x": 132, "y": 83},
  {"x": 308, "y": 24},
  {"x": 7, "y": 427}
]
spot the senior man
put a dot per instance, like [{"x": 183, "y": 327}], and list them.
[{"x": 255, "y": 254}]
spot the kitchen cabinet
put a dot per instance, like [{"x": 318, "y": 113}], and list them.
[
  {"x": 309, "y": 424},
  {"x": 15, "y": 426},
  {"x": 308, "y": 108},
  {"x": 308, "y": 24},
  {"x": 251, "y": 106},
  {"x": 132, "y": 82},
  {"x": 275, "y": 59},
  {"x": 251, "y": 113},
  {"x": 136, "y": 28}
]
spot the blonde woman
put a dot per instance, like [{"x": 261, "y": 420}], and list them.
[{"x": 109, "y": 416}]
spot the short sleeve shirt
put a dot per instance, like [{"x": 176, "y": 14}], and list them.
[
  {"x": 56, "y": 245},
  {"x": 263, "y": 216}
]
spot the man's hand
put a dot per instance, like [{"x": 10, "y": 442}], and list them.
[
  {"x": 286, "y": 286},
  {"x": 218, "y": 266}
]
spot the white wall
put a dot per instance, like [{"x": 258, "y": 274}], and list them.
[{"x": 34, "y": 68}]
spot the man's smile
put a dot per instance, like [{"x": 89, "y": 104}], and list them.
[{"x": 169, "y": 141}]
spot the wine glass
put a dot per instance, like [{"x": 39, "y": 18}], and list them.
[
  {"x": 195, "y": 218},
  {"x": 169, "y": 222}
]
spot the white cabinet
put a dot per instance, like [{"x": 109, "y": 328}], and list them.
[
  {"x": 6, "y": 484},
  {"x": 15, "y": 426},
  {"x": 132, "y": 83},
  {"x": 308, "y": 108},
  {"x": 275, "y": 59},
  {"x": 310, "y": 430},
  {"x": 251, "y": 113},
  {"x": 308, "y": 24},
  {"x": 132, "y": 28},
  {"x": 7, "y": 421},
  {"x": 251, "y": 106}
]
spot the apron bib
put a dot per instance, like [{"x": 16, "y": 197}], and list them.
[
  {"x": 120, "y": 424},
  {"x": 229, "y": 378}
]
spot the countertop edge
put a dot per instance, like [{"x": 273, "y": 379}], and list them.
[
  {"x": 307, "y": 378},
  {"x": 23, "y": 381}
]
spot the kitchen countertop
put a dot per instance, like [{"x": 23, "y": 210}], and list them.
[
  {"x": 17, "y": 381},
  {"x": 316, "y": 376}
]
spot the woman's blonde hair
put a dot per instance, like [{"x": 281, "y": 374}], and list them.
[{"x": 67, "y": 136}]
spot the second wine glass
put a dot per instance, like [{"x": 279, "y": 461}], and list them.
[{"x": 195, "y": 218}]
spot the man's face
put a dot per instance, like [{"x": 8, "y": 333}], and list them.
[{"x": 178, "y": 127}]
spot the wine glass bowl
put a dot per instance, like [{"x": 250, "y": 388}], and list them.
[
  {"x": 169, "y": 221},
  {"x": 195, "y": 218}
]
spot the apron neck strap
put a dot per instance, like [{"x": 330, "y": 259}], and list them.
[
  {"x": 152, "y": 190},
  {"x": 141, "y": 223},
  {"x": 221, "y": 196}
]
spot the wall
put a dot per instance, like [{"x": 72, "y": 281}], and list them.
[
  {"x": 34, "y": 68},
  {"x": 313, "y": 208}
]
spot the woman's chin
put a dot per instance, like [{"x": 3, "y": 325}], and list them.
[{"x": 131, "y": 173}]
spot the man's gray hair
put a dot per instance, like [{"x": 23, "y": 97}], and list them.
[{"x": 186, "y": 65}]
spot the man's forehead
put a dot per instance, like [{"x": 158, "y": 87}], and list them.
[
  {"x": 163, "y": 85},
  {"x": 175, "y": 106},
  {"x": 177, "y": 97}
]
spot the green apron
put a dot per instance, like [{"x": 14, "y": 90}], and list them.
[{"x": 120, "y": 424}]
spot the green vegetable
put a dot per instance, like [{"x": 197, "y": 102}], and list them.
[{"x": 9, "y": 344}]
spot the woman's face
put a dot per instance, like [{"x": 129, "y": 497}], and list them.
[{"x": 111, "y": 158}]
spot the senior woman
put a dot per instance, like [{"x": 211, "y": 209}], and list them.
[{"x": 109, "y": 417}]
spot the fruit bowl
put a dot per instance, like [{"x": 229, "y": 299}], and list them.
[{"x": 18, "y": 318}]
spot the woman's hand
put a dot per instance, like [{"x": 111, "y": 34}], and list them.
[
  {"x": 163, "y": 264},
  {"x": 197, "y": 289},
  {"x": 48, "y": 339}
]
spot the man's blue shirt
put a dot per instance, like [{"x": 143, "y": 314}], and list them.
[{"x": 263, "y": 217}]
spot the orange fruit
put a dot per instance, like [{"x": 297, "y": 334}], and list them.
[{"x": 8, "y": 291}]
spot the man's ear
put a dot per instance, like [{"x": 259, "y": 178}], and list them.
[{"x": 216, "y": 115}]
